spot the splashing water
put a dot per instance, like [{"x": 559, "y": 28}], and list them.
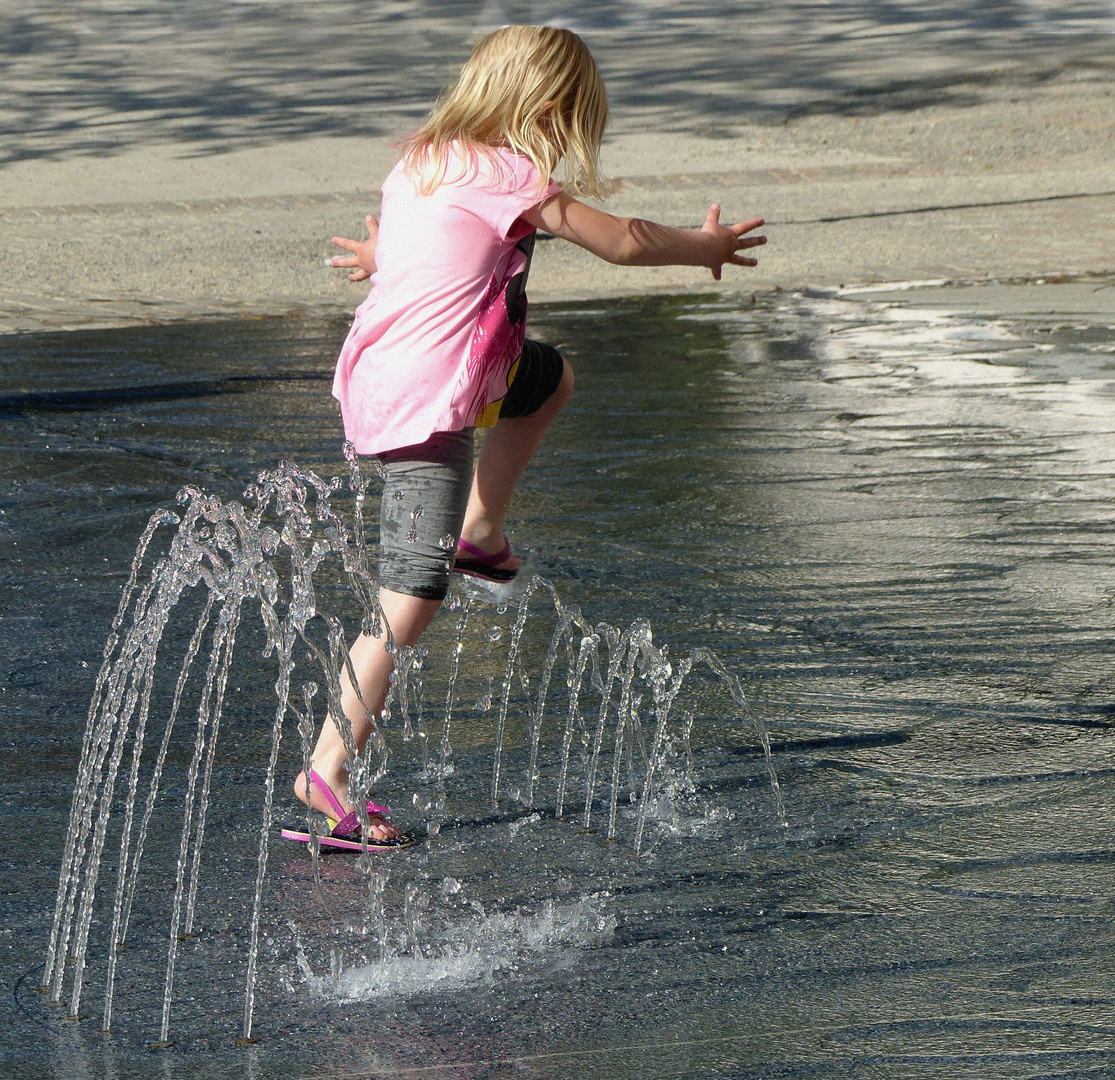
[
  {"x": 267, "y": 552},
  {"x": 466, "y": 951}
]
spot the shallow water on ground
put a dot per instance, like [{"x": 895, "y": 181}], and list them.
[{"x": 893, "y": 524}]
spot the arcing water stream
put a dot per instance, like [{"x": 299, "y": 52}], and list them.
[{"x": 619, "y": 690}]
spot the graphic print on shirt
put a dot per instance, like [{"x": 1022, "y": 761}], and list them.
[{"x": 497, "y": 341}]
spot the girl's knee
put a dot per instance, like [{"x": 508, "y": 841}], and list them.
[
  {"x": 564, "y": 389},
  {"x": 561, "y": 394}
]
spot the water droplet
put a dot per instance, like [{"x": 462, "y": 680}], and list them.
[
  {"x": 485, "y": 701},
  {"x": 269, "y": 540},
  {"x": 494, "y": 634}
]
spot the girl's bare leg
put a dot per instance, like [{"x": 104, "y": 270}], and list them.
[
  {"x": 507, "y": 450},
  {"x": 408, "y": 617}
]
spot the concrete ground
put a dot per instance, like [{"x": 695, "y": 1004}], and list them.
[{"x": 167, "y": 162}]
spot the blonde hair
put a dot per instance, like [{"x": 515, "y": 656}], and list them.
[{"x": 535, "y": 89}]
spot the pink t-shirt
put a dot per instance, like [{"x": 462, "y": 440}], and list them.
[{"x": 444, "y": 321}]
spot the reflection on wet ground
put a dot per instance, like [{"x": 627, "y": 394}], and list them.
[{"x": 892, "y": 522}]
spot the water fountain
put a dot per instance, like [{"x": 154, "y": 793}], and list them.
[{"x": 619, "y": 689}]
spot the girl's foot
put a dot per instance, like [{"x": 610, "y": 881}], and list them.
[{"x": 328, "y": 801}]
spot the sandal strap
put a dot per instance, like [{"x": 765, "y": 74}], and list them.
[
  {"x": 350, "y": 823},
  {"x": 327, "y": 791},
  {"x": 346, "y": 823},
  {"x": 477, "y": 555}
]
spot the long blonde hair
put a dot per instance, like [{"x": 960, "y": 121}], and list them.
[{"x": 535, "y": 89}]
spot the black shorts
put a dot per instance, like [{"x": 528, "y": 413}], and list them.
[{"x": 534, "y": 378}]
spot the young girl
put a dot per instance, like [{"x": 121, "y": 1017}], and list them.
[{"x": 438, "y": 347}]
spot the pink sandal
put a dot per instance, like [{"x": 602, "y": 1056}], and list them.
[
  {"x": 474, "y": 562},
  {"x": 344, "y": 829}
]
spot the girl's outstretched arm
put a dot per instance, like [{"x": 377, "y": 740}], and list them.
[
  {"x": 635, "y": 242},
  {"x": 363, "y": 255}
]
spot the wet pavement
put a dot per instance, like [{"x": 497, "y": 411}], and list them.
[{"x": 890, "y": 516}]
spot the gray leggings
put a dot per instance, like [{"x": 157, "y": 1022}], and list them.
[{"x": 425, "y": 493}]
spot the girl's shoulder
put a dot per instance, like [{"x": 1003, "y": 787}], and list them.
[
  {"x": 494, "y": 169},
  {"x": 513, "y": 169}
]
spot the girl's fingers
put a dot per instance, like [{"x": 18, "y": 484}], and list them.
[{"x": 741, "y": 227}]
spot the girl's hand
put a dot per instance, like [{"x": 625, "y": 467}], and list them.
[
  {"x": 363, "y": 252},
  {"x": 730, "y": 239}
]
